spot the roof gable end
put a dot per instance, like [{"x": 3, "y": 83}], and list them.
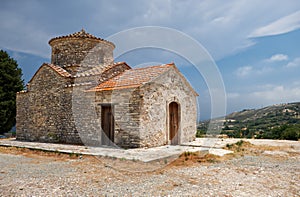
[{"x": 60, "y": 71}]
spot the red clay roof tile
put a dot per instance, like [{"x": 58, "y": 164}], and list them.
[
  {"x": 62, "y": 72},
  {"x": 81, "y": 34},
  {"x": 59, "y": 70},
  {"x": 133, "y": 78}
]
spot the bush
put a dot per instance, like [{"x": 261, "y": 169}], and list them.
[
  {"x": 292, "y": 133},
  {"x": 200, "y": 133}
]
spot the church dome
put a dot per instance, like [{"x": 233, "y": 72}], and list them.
[
  {"x": 81, "y": 34},
  {"x": 81, "y": 48}
]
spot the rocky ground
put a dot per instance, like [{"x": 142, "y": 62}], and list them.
[{"x": 251, "y": 171}]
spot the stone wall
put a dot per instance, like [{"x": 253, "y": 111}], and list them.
[
  {"x": 141, "y": 115},
  {"x": 126, "y": 105},
  {"x": 59, "y": 109},
  {"x": 85, "y": 118},
  {"x": 157, "y": 96},
  {"x": 81, "y": 51},
  {"x": 86, "y": 109},
  {"x": 44, "y": 111}
]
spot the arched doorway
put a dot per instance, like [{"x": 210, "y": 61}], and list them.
[{"x": 174, "y": 123}]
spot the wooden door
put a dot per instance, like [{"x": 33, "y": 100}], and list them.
[
  {"x": 173, "y": 122},
  {"x": 107, "y": 124}
]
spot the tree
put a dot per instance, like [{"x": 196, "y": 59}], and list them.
[
  {"x": 10, "y": 83},
  {"x": 292, "y": 132}
]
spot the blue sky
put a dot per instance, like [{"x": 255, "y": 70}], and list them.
[{"x": 254, "y": 43}]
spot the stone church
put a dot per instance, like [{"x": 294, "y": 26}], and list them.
[{"x": 84, "y": 97}]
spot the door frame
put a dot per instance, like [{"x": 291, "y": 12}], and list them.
[
  {"x": 110, "y": 134},
  {"x": 177, "y": 141}
]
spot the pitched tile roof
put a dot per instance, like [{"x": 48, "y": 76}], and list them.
[
  {"x": 81, "y": 34},
  {"x": 62, "y": 72},
  {"x": 133, "y": 78}
]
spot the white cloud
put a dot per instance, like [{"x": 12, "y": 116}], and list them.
[
  {"x": 244, "y": 71},
  {"x": 296, "y": 83},
  {"x": 232, "y": 95},
  {"x": 266, "y": 95},
  {"x": 280, "y": 26},
  {"x": 278, "y": 94},
  {"x": 264, "y": 70},
  {"x": 278, "y": 57},
  {"x": 154, "y": 11},
  {"x": 222, "y": 28},
  {"x": 294, "y": 63},
  {"x": 263, "y": 67}
]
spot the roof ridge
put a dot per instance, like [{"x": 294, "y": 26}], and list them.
[
  {"x": 59, "y": 70},
  {"x": 155, "y": 66},
  {"x": 133, "y": 77},
  {"x": 110, "y": 66},
  {"x": 99, "y": 70}
]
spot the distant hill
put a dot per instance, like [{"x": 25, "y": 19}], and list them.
[{"x": 280, "y": 121}]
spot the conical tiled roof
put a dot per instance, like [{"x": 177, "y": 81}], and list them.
[{"x": 80, "y": 34}]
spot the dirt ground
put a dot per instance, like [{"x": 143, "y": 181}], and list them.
[{"x": 253, "y": 170}]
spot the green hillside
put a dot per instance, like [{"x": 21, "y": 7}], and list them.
[{"x": 273, "y": 122}]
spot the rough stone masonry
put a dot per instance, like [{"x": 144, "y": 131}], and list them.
[{"x": 84, "y": 97}]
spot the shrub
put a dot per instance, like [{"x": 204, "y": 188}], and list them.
[{"x": 291, "y": 134}]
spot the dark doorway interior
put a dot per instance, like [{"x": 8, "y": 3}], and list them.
[
  {"x": 107, "y": 125},
  {"x": 173, "y": 122}
]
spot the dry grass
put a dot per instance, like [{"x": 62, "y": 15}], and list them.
[
  {"x": 239, "y": 148},
  {"x": 186, "y": 159},
  {"x": 191, "y": 158},
  {"x": 50, "y": 155},
  {"x": 118, "y": 164}
]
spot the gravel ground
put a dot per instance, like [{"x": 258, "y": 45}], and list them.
[{"x": 263, "y": 172}]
